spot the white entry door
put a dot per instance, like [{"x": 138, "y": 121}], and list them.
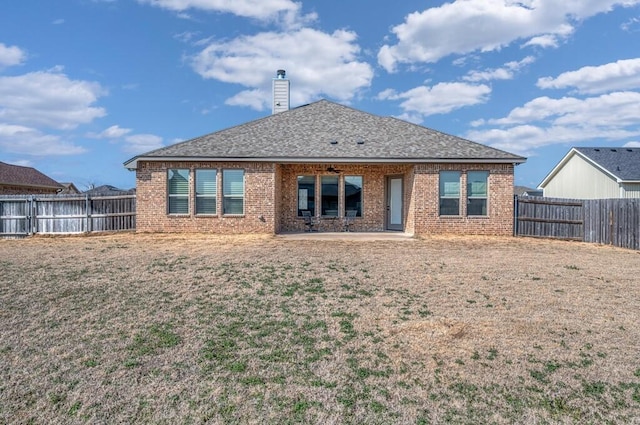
[{"x": 394, "y": 203}]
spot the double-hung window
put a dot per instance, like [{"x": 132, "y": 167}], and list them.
[
  {"x": 233, "y": 192},
  {"x": 450, "y": 193},
  {"x": 329, "y": 196},
  {"x": 306, "y": 194},
  {"x": 353, "y": 195},
  {"x": 178, "y": 191},
  {"x": 477, "y": 192},
  {"x": 206, "y": 189}
]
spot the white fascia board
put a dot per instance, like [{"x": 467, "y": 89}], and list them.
[
  {"x": 133, "y": 163},
  {"x": 557, "y": 168}
]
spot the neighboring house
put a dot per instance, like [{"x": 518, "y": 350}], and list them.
[
  {"x": 19, "y": 180},
  {"x": 108, "y": 190},
  {"x": 526, "y": 191},
  {"x": 69, "y": 189},
  {"x": 328, "y": 159},
  {"x": 595, "y": 173}
]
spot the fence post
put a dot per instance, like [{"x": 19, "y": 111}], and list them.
[
  {"x": 32, "y": 222},
  {"x": 611, "y": 226},
  {"x": 515, "y": 215},
  {"x": 87, "y": 214}
]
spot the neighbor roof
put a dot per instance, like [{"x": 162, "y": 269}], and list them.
[
  {"x": 623, "y": 164},
  {"x": 107, "y": 190},
  {"x": 16, "y": 175},
  {"x": 326, "y": 131}
]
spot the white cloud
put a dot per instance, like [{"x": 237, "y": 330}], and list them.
[
  {"x": 11, "y": 55},
  {"x": 546, "y": 121},
  {"x": 614, "y": 109},
  {"x": 25, "y": 140},
  {"x": 620, "y": 75},
  {"x": 254, "y": 99},
  {"x": 285, "y": 11},
  {"x": 632, "y": 25},
  {"x": 113, "y": 132},
  {"x": 31, "y": 102},
  {"x": 439, "y": 99},
  {"x": 318, "y": 63},
  {"x": 139, "y": 143},
  {"x": 544, "y": 41},
  {"x": 507, "y": 72},
  {"x": 185, "y": 36},
  {"x": 48, "y": 99},
  {"x": 22, "y": 163},
  {"x": 465, "y": 26},
  {"x": 632, "y": 145}
]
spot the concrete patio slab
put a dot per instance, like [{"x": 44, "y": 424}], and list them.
[{"x": 347, "y": 236}]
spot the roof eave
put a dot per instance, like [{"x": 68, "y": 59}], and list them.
[
  {"x": 133, "y": 163},
  {"x": 33, "y": 185}
]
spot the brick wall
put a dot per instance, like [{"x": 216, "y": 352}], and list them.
[
  {"x": 499, "y": 219},
  {"x": 271, "y": 199},
  {"x": 259, "y": 201}
]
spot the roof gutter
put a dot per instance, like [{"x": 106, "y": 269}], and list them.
[{"x": 132, "y": 164}]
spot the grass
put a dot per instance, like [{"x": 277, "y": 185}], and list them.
[{"x": 205, "y": 329}]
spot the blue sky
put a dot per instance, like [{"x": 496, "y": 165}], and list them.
[{"x": 87, "y": 84}]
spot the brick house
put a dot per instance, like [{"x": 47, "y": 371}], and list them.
[
  {"x": 328, "y": 159},
  {"x": 19, "y": 180}
]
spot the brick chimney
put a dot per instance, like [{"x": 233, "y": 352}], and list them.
[{"x": 281, "y": 90}]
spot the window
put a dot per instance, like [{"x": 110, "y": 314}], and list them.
[
  {"x": 178, "y": 191},
  {"x": 477, "y": 192},
  {"x": 329, "y": 195},
  {"x": 233, "y": 191},
  {"x": 449, "y": 193},
  {"x": 353, "y": 194},
  {"x": 306, "y": 194},
  {"x": 206, "y": 188}
]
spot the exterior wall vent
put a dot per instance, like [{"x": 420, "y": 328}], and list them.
[{"x": 281, "y": 92}]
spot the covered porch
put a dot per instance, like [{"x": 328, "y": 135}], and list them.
[{"x": 378, "y": 197}]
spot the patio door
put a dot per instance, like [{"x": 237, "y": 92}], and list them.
[{"x": 394, "y": 215}]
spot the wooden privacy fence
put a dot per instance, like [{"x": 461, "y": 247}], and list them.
[
  {"x": 47, "y": 214},
  {"x": 606, "y": 221}
]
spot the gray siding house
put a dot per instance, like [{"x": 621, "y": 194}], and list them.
[{"x": 595, "y": 173}]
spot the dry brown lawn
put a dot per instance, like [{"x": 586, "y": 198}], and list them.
[{"x": 137, "y": 328}]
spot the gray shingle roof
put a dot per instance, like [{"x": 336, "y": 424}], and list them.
[
  {"x": 16, "y": 175},
  {"x": 323, "y": 131},
  {"x": 106, "y": 190},
  {"x": 624, "y": 163}
]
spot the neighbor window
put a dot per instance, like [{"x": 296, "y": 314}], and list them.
[
  {"x": 233, "y": 191},
  {"x": 449, "y": 193},
  {"x": 178, "y": 191},
  {"x": 353, "y": 194},
  {"x": 306, "y": 194},
  {"x": 477, "y": 192},
  {"x": 206, "y": 187},
  {"x": 329, "y": 196}
]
